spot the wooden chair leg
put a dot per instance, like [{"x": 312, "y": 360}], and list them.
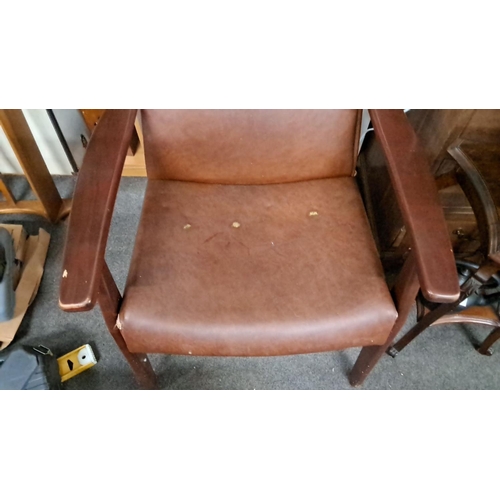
[
  {"x": 485, "y": 347},
  {"x": 424, "y": 323},
  {"x": 110, "y": 300},
  {"x": 404, "y": 292},
  {"x": 470, "y": 286}
]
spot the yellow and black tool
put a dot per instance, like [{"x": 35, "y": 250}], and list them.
[{"x": 76, "y": 362}]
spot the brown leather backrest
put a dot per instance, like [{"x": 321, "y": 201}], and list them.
[{"x": 250, "y": 146}]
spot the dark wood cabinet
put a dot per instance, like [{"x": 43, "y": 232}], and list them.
[{"x": 437, "y": 129}]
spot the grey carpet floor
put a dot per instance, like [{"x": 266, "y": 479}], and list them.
[{"x": 441, "y": 358}]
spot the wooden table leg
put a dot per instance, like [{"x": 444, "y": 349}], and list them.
[
  {"x": 21, "y": 139},
  {"x": 9, "y": 198}
]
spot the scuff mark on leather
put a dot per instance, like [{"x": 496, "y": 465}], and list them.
[
  {"x": 242, "y": 244},
  {"x": 211, "y": 237}
]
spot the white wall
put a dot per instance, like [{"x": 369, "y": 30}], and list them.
[{"x": 47, "y": 141}]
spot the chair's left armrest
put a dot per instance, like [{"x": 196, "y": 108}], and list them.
[
  {"x": 418, "y": 200},
  {"x": 92, "y": 209}
]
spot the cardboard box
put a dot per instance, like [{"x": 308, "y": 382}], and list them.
[{"x": 31, "y": 252}]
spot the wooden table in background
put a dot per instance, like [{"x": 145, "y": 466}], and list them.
[{"x": 49, "y": 203}]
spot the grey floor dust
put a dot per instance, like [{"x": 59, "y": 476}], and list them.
[{"x": 441, "y": 358}]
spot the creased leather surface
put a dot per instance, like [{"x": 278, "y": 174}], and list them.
[
  {"x": 283, "y": 282},
  {"x": 249, "y": 146}
]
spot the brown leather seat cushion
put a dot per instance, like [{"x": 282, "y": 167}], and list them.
[{"x": 286, "y": 281}]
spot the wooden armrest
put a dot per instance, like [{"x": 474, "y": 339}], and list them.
[
  {"x": 93, "y": 202},
  {"x": 418, "y": 199}
]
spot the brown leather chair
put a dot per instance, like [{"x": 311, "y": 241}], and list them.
[{"x": 253, "y": 239}]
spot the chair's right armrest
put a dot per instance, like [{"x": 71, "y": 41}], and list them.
[
  {"x": 92, "y": 209},
  {"x": 418, "y": 200}
]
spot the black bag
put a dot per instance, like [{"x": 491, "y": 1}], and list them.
[{"x": 29, "y": 368}]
